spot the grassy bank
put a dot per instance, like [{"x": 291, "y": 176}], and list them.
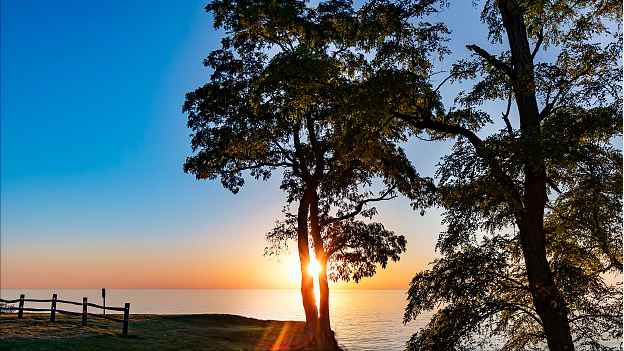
[{"x": 146, "y": 332}]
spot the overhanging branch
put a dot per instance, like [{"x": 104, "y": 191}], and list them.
[
  {"x": 439, "y": 127},
  {"x": 359, "y": 207},
  {"x": 491, "y": 59},
  {"x": 515, "y": 199}
]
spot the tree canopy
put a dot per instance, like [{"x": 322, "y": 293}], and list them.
[{"x": 281, "y": 96}]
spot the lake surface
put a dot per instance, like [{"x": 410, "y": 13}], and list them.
[{"x": 362, "y": 319}]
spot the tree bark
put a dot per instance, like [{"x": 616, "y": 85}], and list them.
[
  {"x": 547, "y": 300},
  {"x": 307, "y": 282}
]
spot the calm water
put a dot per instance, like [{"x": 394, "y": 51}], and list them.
[{"x": 362, "y": 319}]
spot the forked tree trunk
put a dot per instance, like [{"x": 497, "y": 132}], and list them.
[{"x": 547, "y": 300}]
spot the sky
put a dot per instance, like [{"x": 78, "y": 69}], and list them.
[{"x": 93, "y": 139}]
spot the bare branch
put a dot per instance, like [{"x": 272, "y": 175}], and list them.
[
  {"x": 305, "y": 174},
  {"x": 552, "y": 184},
  {"x": 550, "y": 106},
  {"x": 275, "y": 42},
  {"x": 284, "y": 152},
  {"x": 444, "y": 81},
  {"x": 256, "y": 166}
]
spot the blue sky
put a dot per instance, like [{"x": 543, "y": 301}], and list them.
[
  {"x": 92, "y": 145},
  {"x": 91, "y": 105}
]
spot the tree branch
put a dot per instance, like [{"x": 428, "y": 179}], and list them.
[
  {"x": 440, "y": 127},
  {"x": 444, "y": 81},
  {"x": 525, "y": 310},
  {"x": 319, "y": 163},
  {"x": 550, "y": 106},
  {"x": 540, "y": 39},
  {"x": 256, "y": 166},
  {"x": 515, "y": 199},
  {"x": 285, "y": 152},
  {"x": 359, "y": 207},
  {"x": 305, "y": 174},
  {"x": 491, "y": 60},
  {"x": 548, "y": 109},
  {"x": 506, "y": 115},
  {"x": 274, "y": 41}
]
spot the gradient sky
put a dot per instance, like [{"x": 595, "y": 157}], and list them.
[{"x": 92, "y": 145}]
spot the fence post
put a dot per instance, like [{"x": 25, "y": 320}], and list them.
[
  {"x": 84, "y": 311},
  {"x": 53, "y": 309},
  {"x": 103, "y": 301},
  {"x": 126, "y": 317},
  {"x": 20, "y": 311}
]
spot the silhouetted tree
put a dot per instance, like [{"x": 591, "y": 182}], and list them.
[{"x": 282, "y": 95}]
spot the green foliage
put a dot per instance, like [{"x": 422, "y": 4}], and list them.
[
  {"x": 356, "y": 248},
  {"x": 481, "y": 295}
]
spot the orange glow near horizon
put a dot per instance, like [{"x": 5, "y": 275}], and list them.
[{"x": 201, "y": 264}]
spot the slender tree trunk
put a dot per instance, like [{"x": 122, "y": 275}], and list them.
[
  {"x": 547, "y": 300},
  {"x": 325, "y": 335},
  {"x": 324, "y": 323},
  {"x": 307, "y": 282}
]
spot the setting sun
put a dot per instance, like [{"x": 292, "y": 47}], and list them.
[{"x": 314, "y": 268}]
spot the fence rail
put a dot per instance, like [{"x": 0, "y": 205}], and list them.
[{"x": 53, "y": 310}]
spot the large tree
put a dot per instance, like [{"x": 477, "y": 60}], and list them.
[
  {"x": 281, "y": 95},
  {"x": 546, "y": 187}
]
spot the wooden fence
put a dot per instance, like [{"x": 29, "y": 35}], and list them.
[{"x": 53, "y": 310}]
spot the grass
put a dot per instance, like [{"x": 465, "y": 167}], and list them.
[{"x": 146, "y": 332}]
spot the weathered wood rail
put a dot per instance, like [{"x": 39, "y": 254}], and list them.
[{"x": 85, "y": 304}]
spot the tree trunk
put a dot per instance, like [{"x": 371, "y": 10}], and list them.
[
  {"x": 324, "y": 324},
  {"x": 307, "y": 282},
  {"x": 325, "y": 336},
  {"x": 547, "y": 300}
]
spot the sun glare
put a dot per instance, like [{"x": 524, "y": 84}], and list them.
[{"x": 314, "y": 268}]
